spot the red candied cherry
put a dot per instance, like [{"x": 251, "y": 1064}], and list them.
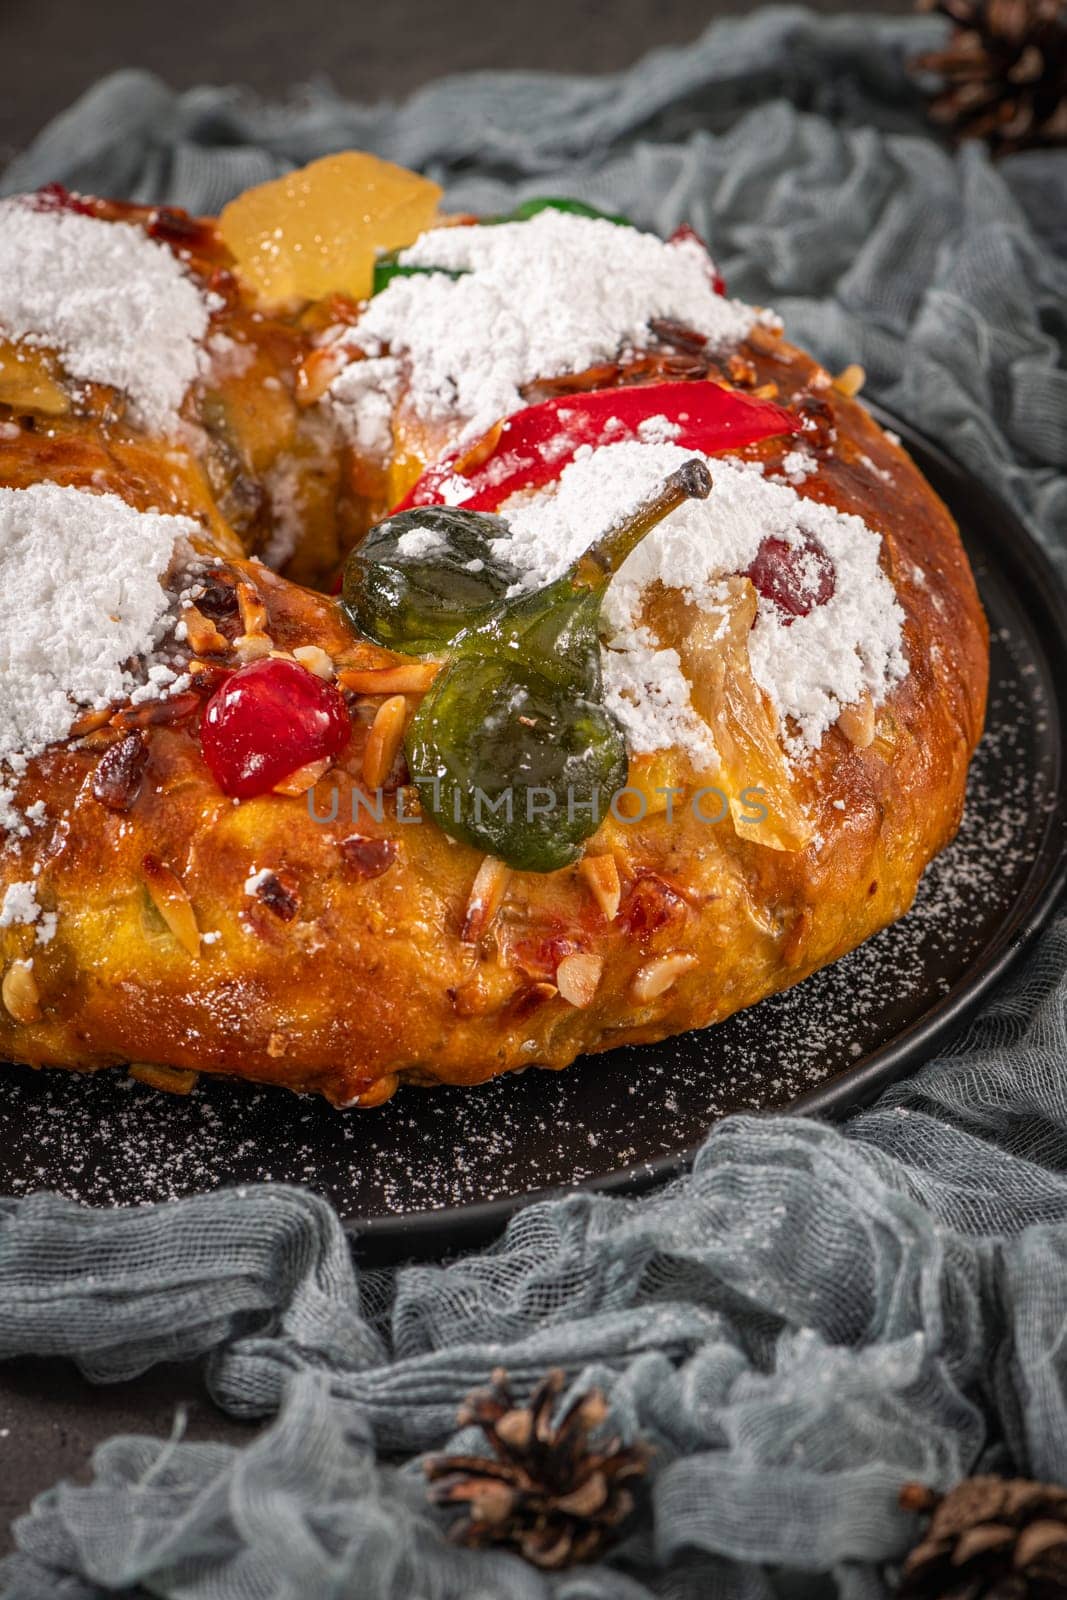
[
  {"x": 265, "y": 721},
  {"x": 794, "y": 577},
  {"x": 683, "y": 232},
  {"x": 55, "y": 197}
]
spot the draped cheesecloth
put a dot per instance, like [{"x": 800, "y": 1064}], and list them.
[{"x": 816, "y": 1314}]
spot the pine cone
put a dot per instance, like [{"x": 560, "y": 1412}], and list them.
[
  {"x": 548, "y": 1491},
  {"x": 988, "y": 1539},
  {"x": 1004, "y": 71}
]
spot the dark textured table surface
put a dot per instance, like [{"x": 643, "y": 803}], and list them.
[{"x": 51, "y": 50}]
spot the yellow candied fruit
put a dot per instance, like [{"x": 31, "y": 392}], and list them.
[
  {"x": 316, "y": 231},
  {"x": 27, "y": 381}
]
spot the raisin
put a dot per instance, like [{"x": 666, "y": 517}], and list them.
[
  {"x": 368, "y": 858},
  {"x": 117, "y": 779}
]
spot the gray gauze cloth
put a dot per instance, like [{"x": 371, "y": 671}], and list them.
[{"x": 816, "y": 1314}]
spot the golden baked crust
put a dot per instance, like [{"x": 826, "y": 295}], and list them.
[{"x": 361, "y": 959}]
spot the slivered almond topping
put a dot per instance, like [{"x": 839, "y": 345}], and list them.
[
  {"x": 486, "y": 897},
  {"x": 577, "y": 978},
  {"x": 765, "y": 391},
  {"x": 318, "y": 371},
  {"x": 763, "y": 339},
  {"x": 741, "y": 370},
  {"x": 851, "y": 380},
  {"x": 88, "y": 722},
  {"x": 202, "y": 634},
  {"x": 150, "y": 713},
  {"x": 304, "y": 778},
  {"x": 659, "y": 975},
  {"x": 384, "y": 740},
  {"x": 170, "y": 898},
  {"x": 315, "y": 659},
  {"x": 412, "y": 678},
  {"x": 253, "y": 646},
  {"x": 600, "y": 874},
  {"x": 172, "y": 1080},
  {"x": 480, "y": 450},
  {"x": 857, "y": 723},
  {"x": 20, "y": 992},
  {"x": 253, "y": 611}
]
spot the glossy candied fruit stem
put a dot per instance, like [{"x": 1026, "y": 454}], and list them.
[
  {"x": 317, "y": 231},
  {"x": 268, "y": 720}
]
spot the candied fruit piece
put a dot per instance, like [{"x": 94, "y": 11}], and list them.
[
  {"x": 28, "y": 382},
  {"x": 316, "y": 231}
]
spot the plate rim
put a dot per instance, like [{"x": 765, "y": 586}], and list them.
[{"x": 449, "y": 1230}]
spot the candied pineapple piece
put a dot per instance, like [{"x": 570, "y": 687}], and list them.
[{"x": 316, "y": 231}]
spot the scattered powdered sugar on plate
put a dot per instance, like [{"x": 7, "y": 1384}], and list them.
[
  {"x": 810, "y": 667},
  {"x": 80, "y": 594},
  {"x": 116, "y": 306},
  {"x": 533, "y": 300}
]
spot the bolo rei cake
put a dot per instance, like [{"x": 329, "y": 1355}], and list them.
[{"x": 434, "y": 646}]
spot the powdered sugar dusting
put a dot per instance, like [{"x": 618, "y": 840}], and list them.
[
  {"x": 116, "y": 306},
  {"x": 534, "y": 300},
  {"x": 79, "y": 595},
  {"x": 810, "y": 667},
  {"x": 20, "y": 908}
]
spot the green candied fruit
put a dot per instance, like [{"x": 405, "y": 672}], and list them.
[
  {"x": 422, "y": 576},
  {"x": 513, "y": 750}
]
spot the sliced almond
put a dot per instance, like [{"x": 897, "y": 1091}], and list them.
[
  {"x": 485, "y": 899},
  {"x": 480, "y": 450},
  {"x": 88, "y": 722},
  {"x": 577, "y": 978},
  {"x": 170, "y": 898},
  {"x": 253, "y": 611},
  {"x": 318, "y": 371},
  {"x": 384, "y": 740},
  {"x": 172, "y": 1080},
  {"x": 304, "y": 778},
  {"x": 411, "y": 678},
  {"x": 659, "y": 975},
  {"x": 20, "y": 992},
  {"x": 315, "y": 659},
  {"x": 850, "y": 381},
  {"x": 600, "y": 874},
  {"x": 857, "y": 723},
  {"x": 202, "y": 633},
  {"x": 253, "y": 646}
]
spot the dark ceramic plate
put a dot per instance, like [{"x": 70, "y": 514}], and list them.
[{"x": 436, "y": 1171}]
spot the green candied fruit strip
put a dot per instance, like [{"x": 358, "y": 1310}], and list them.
[
  {"x": 388, "y": 266},
  {"x": 576, "y": 208}
]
